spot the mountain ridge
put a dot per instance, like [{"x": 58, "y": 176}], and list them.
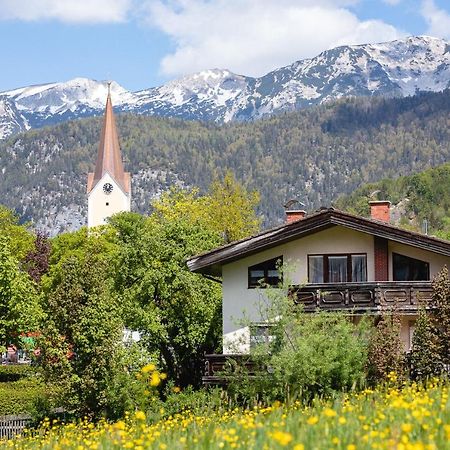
[
  {"x": 313, "y": 155},
  {"x": 393, "y": 69}
]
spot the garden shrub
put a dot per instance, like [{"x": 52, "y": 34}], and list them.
[
  {"x": 15, "y": 372},
  {"x": 19, "y": 397},
  {"x": 424, "y": 359},
  {"x": 306, "y": 355}
]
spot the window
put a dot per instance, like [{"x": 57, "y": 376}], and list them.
[
  {"x": 266, "y": 272},
  {"x": 337, "y": 268},
  {"x": 260, "y": 334},
  {"x": 409, "y": 269}
]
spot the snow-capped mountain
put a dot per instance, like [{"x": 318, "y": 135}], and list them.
[{"x": 398, "y": 68}]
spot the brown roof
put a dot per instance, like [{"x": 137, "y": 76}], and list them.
[
  {"x": 211, "y": 262},
  {"x": 109, "y": 157}
]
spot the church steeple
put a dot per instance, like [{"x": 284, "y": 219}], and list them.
[
  {"x": 109, "y": 186},
  {"x": 109, "y": 158}
]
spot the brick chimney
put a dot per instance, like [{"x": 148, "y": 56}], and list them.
[
  {"x": 295, "y": 215},
  {"x": 380, "y": 210}
]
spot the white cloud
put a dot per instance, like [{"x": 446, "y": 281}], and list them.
[
  {"x": 254, "y": 36},
  {"x": 393, "y": 2},
  {"x": 72, "y": 11},
  {"x": 437, "y": 19}
]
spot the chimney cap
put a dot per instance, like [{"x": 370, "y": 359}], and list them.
[{"x": 293, "y": 205}]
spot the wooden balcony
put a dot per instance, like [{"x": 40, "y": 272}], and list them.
[
  {"x": 215, "y": 364},
  {"x": 360, "y": 298}
]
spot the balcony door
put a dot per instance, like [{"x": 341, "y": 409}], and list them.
[{"x": 341, "y": 268}]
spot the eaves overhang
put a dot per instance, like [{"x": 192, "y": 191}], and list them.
[{"x": 211, "y": 262}]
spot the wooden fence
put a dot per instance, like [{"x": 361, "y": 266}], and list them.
[{"x": 10, "y": 426}]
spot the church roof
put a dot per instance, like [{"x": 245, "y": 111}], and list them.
[{"x": 109, "y": 158}]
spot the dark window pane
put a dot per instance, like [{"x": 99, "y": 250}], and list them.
[
  {"x": 409, "y": 269},
  {"x": 266, "y": 273}
]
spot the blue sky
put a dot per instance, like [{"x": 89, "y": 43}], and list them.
[{"x": 144, "y": 43}]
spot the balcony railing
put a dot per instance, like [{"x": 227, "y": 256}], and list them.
[{"x": 403, "y": 296}]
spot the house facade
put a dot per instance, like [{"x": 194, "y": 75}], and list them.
[{"x": 335, "y": 260}]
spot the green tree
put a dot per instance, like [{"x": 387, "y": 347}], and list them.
[
  {"x": 176, "y": 312},
  {"x": 441, "y": 316},
  {"x": 20, "y": 239},
  {"x": 82, "y": 348},
  {"x": 232, "y": 208},
  {"x": 20, "y": 308}
]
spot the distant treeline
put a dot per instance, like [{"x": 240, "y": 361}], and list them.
[{"x": 420, "y": 197}]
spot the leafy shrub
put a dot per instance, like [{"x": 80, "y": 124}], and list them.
[
  {"x": 15, "y": 372},
  {"x": 19, "y": 397},
  {"x": 199, "y": 401},
  {"x": 424, "y": 360},
  {"x": 305, "y": 355},
  {"x": 431, "y": 341}
]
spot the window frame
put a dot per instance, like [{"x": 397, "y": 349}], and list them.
[
  {"x": 266, "y": 266},
  {"x": 325, "y": 257}
]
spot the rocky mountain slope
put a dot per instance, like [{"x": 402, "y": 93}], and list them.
[
  {"x": 392, "y": 69},
  {"x": 313, "y": 155}
]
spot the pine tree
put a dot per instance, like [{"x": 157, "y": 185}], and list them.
[
  {"x": 386, "y": 353},
  {"x": 425, "y": 360}
]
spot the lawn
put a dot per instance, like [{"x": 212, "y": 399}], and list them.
[{"x": 409, "y": 417}]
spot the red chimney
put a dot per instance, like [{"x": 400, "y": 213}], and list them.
[
  {"x": 380, "y": 210},
  {"x": 295, "y": 215}
]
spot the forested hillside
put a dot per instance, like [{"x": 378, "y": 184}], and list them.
[
  {"x": 416, "y": 198},
  {"x": 313, "y": 155}
]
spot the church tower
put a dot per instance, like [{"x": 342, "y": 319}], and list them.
[{"x": 109, "y": 187}]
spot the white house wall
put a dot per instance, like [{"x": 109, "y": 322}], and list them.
[
  {"x": 242, "y": 305},
  {"x": 239, "y": 301}
]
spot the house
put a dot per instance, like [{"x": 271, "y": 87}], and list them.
[{"x": 340, "y": 262}]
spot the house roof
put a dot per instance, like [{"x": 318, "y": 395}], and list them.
[
  {"x": 211, "y": 262},
  {"x": 109, "y": 158}
]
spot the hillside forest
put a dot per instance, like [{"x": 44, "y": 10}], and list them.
[{"x": 313, "y": 155}]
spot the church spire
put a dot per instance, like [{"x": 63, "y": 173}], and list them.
[{"x": 109, "y": 158}]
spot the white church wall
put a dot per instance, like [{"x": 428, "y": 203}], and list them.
[{"x": 102, "y": 205}]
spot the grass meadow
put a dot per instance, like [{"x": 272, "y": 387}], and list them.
[{"x": 409, "y": 417}]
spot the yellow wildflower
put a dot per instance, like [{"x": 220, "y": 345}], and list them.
[
  {"x": 139, "y": 415},
  {"x": 148, "y": 368},
  {"x": 281, "y": 437},
  {"x": 329, "y": 412},
  {"x": 312, "y": 420}
]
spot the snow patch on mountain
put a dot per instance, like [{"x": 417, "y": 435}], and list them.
[{"x": 398, "y": 68}]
